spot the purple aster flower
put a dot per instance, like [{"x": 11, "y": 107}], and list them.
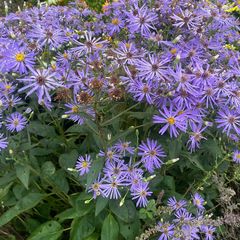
[
  {"x": 228, "y": 120},
  {"x": 151, "y": 154},
  {"x": 140, "y": 192},
  {"x": 143, "y": 21},
  {"x": 176, "y": 205},
  {"x": 16, "y": 122},
  {"x": 195, "y": 136},
  {"x": 3, "y": 142},
  {"x": 198, "y": 201},
  {"x": 172, "y": 120},
  {"x": 187, "y": 19},
  {"x": 117, "y": 23},
  {"x": 154, "y": 68},
  {"x": 111, "y": 186},
  {"x": 142, "y": 90},
  {"x": 97, "y": 187},
  {"x": 236, "y": 156},
  {"x": 89, "y": 45},
  {"x": 18, "y": 59},
  {"x": 110, "y": 155},
  {"x": 166, "y": 229},
  {"x": 124, "y": 147},
  {"x": 48, "y": 35},
  {"x": 41, "y": 82},
  {"x": 182, "y": 215},
  {"x": 115, "y": 169},
  {"x": 208, "y": 231},
  {"x": 190, "y": 232},
  {"x": 83, "y": 164}
]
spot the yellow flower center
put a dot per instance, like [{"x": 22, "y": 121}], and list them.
[
  {"x": 115, "y": 21},
  {"x": 171, "y": 120},
  {"x": 173, "y": 51},
  {"x": 128, "y": 45},
  {"x": 15, "y": 122},
  {"x": 65, "y": 55},
  {"x": 99, "y": 45},
  {"x": 84, "y": 164},
  {"x": 238, "y": 156},
  {"x": 8, "y": 87},
  {"x": 197, "y": 202},
  {"x": 75, "y": 109},
  {"x": 20, "y": 57}
]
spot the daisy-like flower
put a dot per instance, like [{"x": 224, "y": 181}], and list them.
[
  {"x": 167, "y": 231},
  {"x": 154, "y": 68},
  {"x": 110, "y": 155},
  {"x": 143, "y": 21},
  {"x": 116, "y": 24},
  {"x": 89, "y": 45},
  {"x": 115, "y": 169},
  {"x": 141, "y": 192},
  {"x": 151, "y": 153},
  {"x": 111, "y": 186},
  {"x": 83, "y": 164},
  {"x": 190, "y": 232},
  {"x": 183, "y": 215},
  {"x": 41, "y": 82},
  {"x": 124, "y": 147},
  {"x": 187, "y": 19},
  {"x": 97, "y": 188},
  {"x": 236, "y": 156},
  {"x": 16, "y": 122},
  {"x": 3, "y": 142},
  {"x": 172, "y": 120},
  {"x": 198, "y": 201},
  {"x": 176, "y": 205},
  {"x": 18, "y": 59},
  {"x": 228, "y": 120},
  {"x": 196, "y": 136},
  {"x": 208, "y": 231}
]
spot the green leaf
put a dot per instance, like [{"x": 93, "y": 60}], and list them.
[
  {"x": 126, "y": 213},
  {"x": 42, "y": 130},
  {"x": 50, "y": 230},
  {"x": 48, "y": 169},
  {"x": 70, "y": 213},
  {"x": 4, "y": 191},
  {"x": 82, "y": 228},
  {"x": 60, "y": 180},
  {"x": 101, "y": 203},
  {"x": 94, "y": 171},
  {"x": 110, "y": 228},
  {"x": 68, "y": 160},
  {"x": 26, "y": 203},
  {"x": 169, "y": 182},
  {"x": 23, "y": 173},
  {"x": 129, "y": 230}
]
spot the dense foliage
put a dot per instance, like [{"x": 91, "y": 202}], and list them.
[{"x": 120, "y": 123}]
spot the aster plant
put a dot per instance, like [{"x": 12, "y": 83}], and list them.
[{"x": 108, "y": 117}]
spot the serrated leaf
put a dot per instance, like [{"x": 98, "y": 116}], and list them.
[
  {"x": 50, "y": 230},
  {"x": 23, "y": 173},
  {"x": 110, "y": 228}
]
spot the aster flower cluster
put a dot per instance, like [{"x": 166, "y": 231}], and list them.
[
  {"x": 185, "y": 220},
  {"x": 178, "y": 57},
  {"x": 125, "y": 170}
]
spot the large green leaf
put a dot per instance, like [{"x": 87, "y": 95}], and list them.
[
  {"x": 42, "y": 130},
  {"x": 82, "y": 228},
  {"x": 110, "y": 228},
  {"x": 127, "y": 212},
  {"x": 23, "y": 173},
  {"x": 50, "y": 230},
  {"x": 68, "y": 160},
  {"x": 48, "y": 169},
  {"x": 101, "y": 203},
  {"x": 129, "y": 230},
  {"x": 26, "y": 203}
]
